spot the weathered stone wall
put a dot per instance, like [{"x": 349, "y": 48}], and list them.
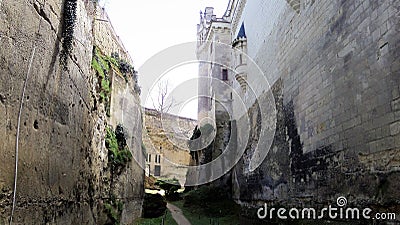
[
  {"x": 126, "y": 111},
  {"x": 167, "y": 136},
  {"x": 334, "y": 67},
  {"x": 62, "y": 171},
  {"x": 105, "y": 36},
  {"x": 214, "y": 106},
  {"x": 212, "y": 31}
]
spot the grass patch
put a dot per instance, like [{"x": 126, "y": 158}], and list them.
[
  {"x": 213, "y": 201},
  {"x": 196, "y": 215},
  {"x": 157, "y": 221},
  {"x": 209, "y": 205}
]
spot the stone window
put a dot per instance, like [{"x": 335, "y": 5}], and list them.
[
  {"x": 157, "y": 170},
  {"x": 148, "y": 157},
  {"x": 157, "y": 159},
  {"x": 224, "y": 74}
]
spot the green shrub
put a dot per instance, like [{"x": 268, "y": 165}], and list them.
[
  {"x": 170, "y": 186},
  {"x": 154, "y": 205},
  {"x": 113, "y": 209},
  {"x": 124, "y": 67},
  {"x": 126, "y": 70},
  {"x": 118, "y": 152}
]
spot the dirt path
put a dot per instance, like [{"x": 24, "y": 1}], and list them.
[{"x": 178, "y": 215}]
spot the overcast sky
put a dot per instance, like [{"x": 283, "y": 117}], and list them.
[{"x": 147, "y": 27}]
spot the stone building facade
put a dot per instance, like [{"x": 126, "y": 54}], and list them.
[
  {"x": 214, "y": 101},
  {"x": 332, "y": 68},
  {"x": 213, "y": 65},
  {"x": 165, "y": 140}
]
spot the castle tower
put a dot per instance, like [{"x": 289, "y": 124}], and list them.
[
  {"x": 215, "y": 79},
  {"x": 239, "y": 60},
  {"x": 213, "y": 35}
]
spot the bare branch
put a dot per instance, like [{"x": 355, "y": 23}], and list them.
[{"x": 163, "y": 105}]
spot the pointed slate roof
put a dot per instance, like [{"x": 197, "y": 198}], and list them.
[{"x": 242, "y": 32}]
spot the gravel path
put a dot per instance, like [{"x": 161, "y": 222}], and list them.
[{"x": 178, "y": 215}]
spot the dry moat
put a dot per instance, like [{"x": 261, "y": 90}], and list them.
[{"x": 298, "y": 118}]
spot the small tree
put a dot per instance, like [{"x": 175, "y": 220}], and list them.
[{"x": 163, "y": 105}]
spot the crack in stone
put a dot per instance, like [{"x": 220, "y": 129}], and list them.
[
  {"x": 52, "y": 10},
  {"x": 76, "y": 86},
  {"x": 41, "y": 13}
]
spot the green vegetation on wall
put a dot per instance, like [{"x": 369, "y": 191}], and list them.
[
  {"x": 113, "y": 209},
  {"x": 118, "y": 158},
  {"x": 103, "y": 64},
  {"x": 100, "y": 64},
  {"x": 127, "y": 70},
  {"x": 118, "y": 151}
]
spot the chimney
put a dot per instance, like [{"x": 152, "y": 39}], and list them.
[{"x": 209, "y": 11}]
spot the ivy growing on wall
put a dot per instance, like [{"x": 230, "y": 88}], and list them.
[
  {"x": 113, "y": 209},
  {"x": 100, "y": 63},
  {"x": 124, "y": 67},
  {"x": 118, "y": 151},
  {"x": 103, "y": 64},
  {"x": 118, "y": 158},
  {"x": 127, "y": 70},
  {"x": 69, "y": 20}
]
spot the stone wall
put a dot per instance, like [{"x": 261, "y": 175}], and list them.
[
  {"x": 126, "y": 111},
  {"x": 167, "y": 136},
  {"x": 105, "y": 36},
  {"x": 333, "y": 67},
  {"x": 63, "y": 174}
]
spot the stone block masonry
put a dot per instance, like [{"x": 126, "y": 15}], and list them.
[
  {"x": 63, "y": 174},
  {"x": 166, "y": 137},
  {"x": 338, "y": 63},
  {"x": 334, "y": 71}
]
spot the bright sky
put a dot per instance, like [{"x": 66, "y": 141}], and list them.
[{"x": 148, "y": 27}]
